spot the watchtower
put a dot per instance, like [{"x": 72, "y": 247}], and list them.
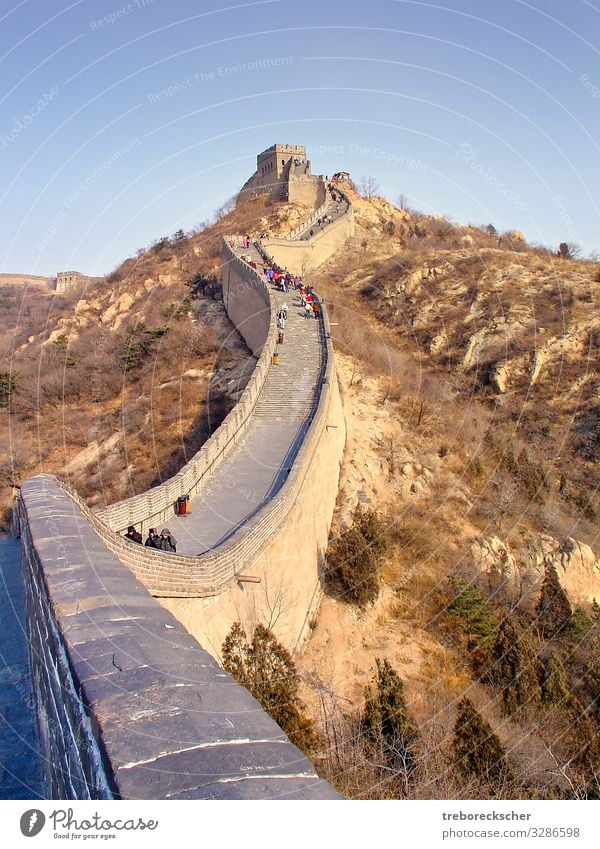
[{"x": 275, "y": 160}]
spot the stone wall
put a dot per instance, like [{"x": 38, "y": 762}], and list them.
[
  {"x": 24, "y": 279},
  {"x": 293, "y": 530},
  {"x": 258, "y": 326},
  {"x": 284, "y": 544},
  {"x": 306, "y": 189},
  {"x": 131, "y": 706},
  {"x": 300, "y": 257}
]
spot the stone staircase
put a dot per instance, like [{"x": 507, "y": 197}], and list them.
[
  {"x": 258, "y": 466},
  {"x": 292, "y": 387}
]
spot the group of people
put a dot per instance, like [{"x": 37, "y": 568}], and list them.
[
  {"x": 284, "y": 281},
  {"x": 163, "y": 541}
]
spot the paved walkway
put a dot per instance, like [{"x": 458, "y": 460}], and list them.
[
  {"x": 21, "y": 766},
  {"x": 259, "y": 464},
  {"x": 334, "y": 208}
]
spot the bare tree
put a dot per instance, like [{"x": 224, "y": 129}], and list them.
[
  {"x": 368, "y": 187},
  {"x": 568, "y": 250}
]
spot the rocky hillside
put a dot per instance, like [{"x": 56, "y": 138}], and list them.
[{"x": 469, "y": 376}]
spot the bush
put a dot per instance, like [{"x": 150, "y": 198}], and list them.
[
  {"x": 8, "y": 385},
  {"x": 177, "y": 311},
  {"x": 267, "y": 670},
  {"x": 515, "y": 670},
  {"x": 553, "y": 609},
  {"x": 477, "y": 750},
  {"x": 553, "y": 682},
  {"x": 139, "y": 344},
  {"x": 579, "y": 626},
  {"x": 385, "y": 722},
  {"x": 354, "y": 557},
  {"x": 473, "y": 614}
]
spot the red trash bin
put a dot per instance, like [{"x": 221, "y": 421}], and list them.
[{"x": 183, "y": 505}]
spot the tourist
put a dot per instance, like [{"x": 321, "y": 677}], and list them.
[
  {"x": 133, "y": 535},
  {"x": 308, "y": 311},
  {"x": 167, "y": 542},
  {"x": 153, "y": 538},
  {"x": 316, "y": 307}
]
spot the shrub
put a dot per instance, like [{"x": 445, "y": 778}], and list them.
[
  {"x": 473, "y": 614},
  {"x": 553, "y": 609},
  {"x": 579, "y": 626},
  {"x": 177, "y": 311},
  {"x": 8, "y": 385},
  {"x": 477, "y": 750},
  {"x": 354, "y": 557},
  {"x": 385, "y": 722},
  {"x": 514, "y": 668},
  {"x": 267, "y": 670},
  {"x": 554, "y": 681},
  {"x": 139, "y": 344}
]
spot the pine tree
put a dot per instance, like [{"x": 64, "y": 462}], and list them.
[
  {"x": 584, "y": 736},
  {"x": 554, "y": 685},
  {"x": 473, "y": 613},
  {"x": 386, "y": 723},
  {"x": 477, "y": 751},
  {"x": 553, "y": 609},
  {"x": 354, "y": 557},
  {"x": 267, "y": 670},
  {"x": 514, "y": 668}
]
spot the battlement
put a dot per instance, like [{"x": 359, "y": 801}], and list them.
[
  {"x": 66, "y": 279},
  {"x": 284, "y": 149}
]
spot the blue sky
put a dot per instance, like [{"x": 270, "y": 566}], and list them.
[{"x": 121, "y": 122}]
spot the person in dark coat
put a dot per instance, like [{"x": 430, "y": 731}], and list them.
[
  {"x": 153, "y": 538},
  {"x": 167, "y": 542},
  {"x": 133, "y": 535}
]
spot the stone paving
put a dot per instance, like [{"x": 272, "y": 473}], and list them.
[{"x": 258, "y": 466}]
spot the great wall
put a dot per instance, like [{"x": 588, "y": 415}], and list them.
[
  {"x": 63, "y": 281},
  {"x": 131, "y": 701}
]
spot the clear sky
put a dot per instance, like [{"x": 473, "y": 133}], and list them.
[{"x": 121, "y": 122}]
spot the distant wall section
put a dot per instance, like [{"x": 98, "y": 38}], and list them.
[{"x": 302, "y": 256}]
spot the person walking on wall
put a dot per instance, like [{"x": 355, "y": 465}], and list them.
[
  {"x": 133, "y": 535},
  {"x": 167, "y": 541},
  {"x": 152, "y": 539}
]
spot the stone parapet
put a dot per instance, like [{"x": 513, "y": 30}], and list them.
[{"x": 130, "y": 705}]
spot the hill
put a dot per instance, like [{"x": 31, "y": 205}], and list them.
[{"x": 469, "y": 376}]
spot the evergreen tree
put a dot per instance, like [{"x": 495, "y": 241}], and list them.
[
  {"x": 584, "y": 736},
  {"x": 514, "y": 668},
  {"x": 473, "y": 614},
  {"x": 477, "y": 751},
  {"x": 267, "y": 670},
  {"x": 354, "y": 557},
  {"x": 553, "y": 682},
  {"x": 386, "y": 723},
  {"x": 553, "y": 609}
]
